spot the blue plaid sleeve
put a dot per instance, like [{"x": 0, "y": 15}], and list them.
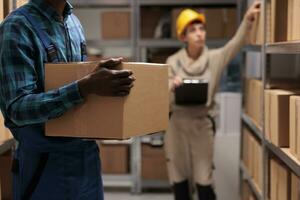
[{"x": 22, "y": 100}]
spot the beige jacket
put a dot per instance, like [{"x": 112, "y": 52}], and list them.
[{"x": 210, "y": 66}]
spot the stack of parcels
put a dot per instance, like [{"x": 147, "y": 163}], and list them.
[
  {"x": 277, "y": 116},
  {"x": 253, "y": 100},
  {"x": 253, "y": 158},
  {"x": 279, "y": 180}
]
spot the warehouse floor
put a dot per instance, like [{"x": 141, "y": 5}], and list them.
[
  {"x": 226, "y": 174},
  {"x": 144, "y": 196}
]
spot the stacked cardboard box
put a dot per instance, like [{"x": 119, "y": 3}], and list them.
[
  {"x": 279, "y": 181},
  {"x": 153, "y": 163},
  {"x": 295, "y": 183},
  {"x": 253, "y": 100},
  {"x": 114, "y": 158},
  {"x": 294, "y": 125},
  {"x": 115, "y": 25},
  {"x": 293, "y": 19},
  {"x": 252, "y": 157},
  {"x": 221, "y": 23},
  {"x": 277, "y": 116}
]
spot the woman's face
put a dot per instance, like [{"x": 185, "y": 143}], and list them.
[{"x": 195, "y": 35}]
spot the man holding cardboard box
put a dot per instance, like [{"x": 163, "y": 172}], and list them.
[
  {"x": 189, "y": 141},
  {"x": 50, "y": 168}
]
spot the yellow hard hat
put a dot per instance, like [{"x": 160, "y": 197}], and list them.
[{"x": 186, "y": 17}]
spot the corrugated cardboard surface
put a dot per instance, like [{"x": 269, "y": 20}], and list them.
[
  {"x": 273, "y": 179},
  {"x": 115, "y": 25},
  {"x": 1, "y": 11},
  {"x": 277, "y": 116},
  {"x": 293, "y": 124},
  {"x": 153, "y": 163},
  {"x": 282, "y": 183},
  {"x": 295, "y": 187},
  {"x": 296, "y": 120},
  {"x": 114, "y": 159},
  {"x": 293, "y": 19},
  {"x": 143, "y": 112},
  {"x": 254, "y": 91}
]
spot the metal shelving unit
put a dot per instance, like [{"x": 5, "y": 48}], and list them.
[
  {"x": 292, "y": 47},
  {"x": 269, "y": 149},
  {"x": 283, "y": 155},
  {"x": 254, "y": 129},
  {"x": 248, "y": 178},
  {"x": 139, "y": 48}
]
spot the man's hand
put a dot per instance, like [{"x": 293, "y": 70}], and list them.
[
  {"x": 106, "y": 80},
  {"x": 253, "y": 11},
  {"x": 176, "y": 82}
]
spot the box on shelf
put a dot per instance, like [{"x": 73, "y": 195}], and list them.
[
  {"x": 294, "y": 121},
  {"x": 144, "y": 111},
  {"x": 293, "y": 20},
  {"x": 279, "y": 181},
  {"x": 153, "y": 163},
  {"x": 252, "y": 157},
  {"x": 295, "y": 183},
  {"x": 277, "y": 116},
  {"x": 253, "y": 100},
  {"x": 114, "y": 158},
  {"x": 115, "y": 25}
]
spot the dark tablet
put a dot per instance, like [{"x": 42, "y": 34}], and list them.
[{"x": 192, "y": 92}]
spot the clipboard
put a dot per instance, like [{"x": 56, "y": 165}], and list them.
[{"x": 192, "y": 92}]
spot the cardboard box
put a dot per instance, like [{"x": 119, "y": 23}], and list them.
[
  {"x": 150, "y": 18},
  {"x": 273, "y": 179},
  {"x": 6, "y": 176},
  {"x": 114, "y": 159},
  {"x": 296, "y": 127},
  {"x": 282, "y": 187},
  {"x": 246, "y": 147},
  {"x": 294, "y": 121},
  {"x": 280, "y": 20},
  {"x": 293, "y": 20},
  {"x": 295, "y": 183},
  {"x": 144, "y": 111},
  {"x": 154, "y": 165},
  {"x": 253, "y": 100},
  {"x": 115, "y": 25},
  {"x": 277, "y": 116},
  {"x": 257, "y": 33}
]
